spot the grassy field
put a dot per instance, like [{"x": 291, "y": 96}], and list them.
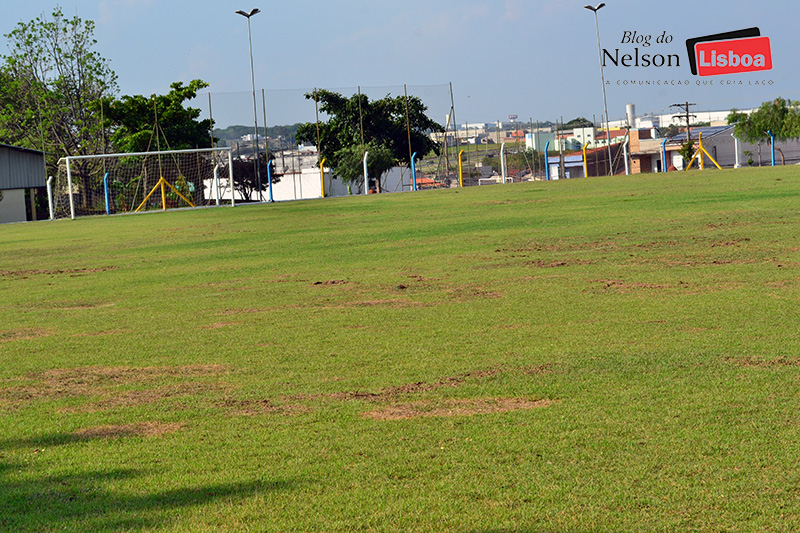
[{"x": 612, "y": 354}]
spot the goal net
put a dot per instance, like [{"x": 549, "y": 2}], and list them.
[{"x": 145, "y": 181}]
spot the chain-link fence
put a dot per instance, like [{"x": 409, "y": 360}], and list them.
[{"x": 468, "y": 154}]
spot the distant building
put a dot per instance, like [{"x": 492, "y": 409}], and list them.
[
  {"x": 20, "y": 169},
  {"x": 249, "y": 138}
]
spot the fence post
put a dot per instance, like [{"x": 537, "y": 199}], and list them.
[
  {"x": 50, "y": 196},
  {"x": 366, "y": 177}
]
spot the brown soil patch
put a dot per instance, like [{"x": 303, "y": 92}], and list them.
[
  {"x": 733, "y": 242},
  {"x": 103, "y": 384},
  {"x": 451, "y": 408},
  {"x": 546, "y": 368},
  {"x": 103, "y": 333},
  {"x": 467, "y": 294},
  {"x": 250, "y": 310},
  {"x": 417, "y": 277},
  {"x": 142, "y": 397},
  {"x": 560, "y": 247},
  {"x": 396, "y": 303},
  {"x": 141, "y": 429},
  {"x": 287, "y": 279},
  {"x": 623, "y": 286},
  {"x": 755, "y": 362},
  {"x": 259, "y": 407},
  {"x": 332, "y": 282},
  {"x": 23, "y": 334},
  {"x": 390, "y": 393},
  {"x": 24, "y": 274},
  {"x": 218, "y": 325},
  {"x": 557, "y": 264},
  {"x": 653, "y": 245}
]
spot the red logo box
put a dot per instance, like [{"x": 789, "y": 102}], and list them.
[{"x": 734, "y": 56}]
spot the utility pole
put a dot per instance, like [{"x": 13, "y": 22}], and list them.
[{"x": 685, "y": 116}]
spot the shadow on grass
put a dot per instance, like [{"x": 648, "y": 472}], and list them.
[{"x": 83, "y": 501}]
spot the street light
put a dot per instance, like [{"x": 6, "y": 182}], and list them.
[
  {"x": 602, "y": 81},
  {"x": 253, "y": 11}
]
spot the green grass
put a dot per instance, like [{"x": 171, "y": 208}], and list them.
[{"x": 612, "y": 354}]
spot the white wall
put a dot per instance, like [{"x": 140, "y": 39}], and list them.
[{"x": 12, "y": 206}]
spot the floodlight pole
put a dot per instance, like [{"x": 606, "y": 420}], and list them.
[
  {"x": 603, "y": 82},
  {"x": 252, "y": 12}
]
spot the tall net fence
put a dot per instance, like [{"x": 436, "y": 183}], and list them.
[
  {"x": 122, "y": 183},
  {"x": 468, "y": 154},
  {"x": 269, "y": 122}
]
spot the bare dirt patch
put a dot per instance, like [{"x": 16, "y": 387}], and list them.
[
  {"x": 756, "y": 362},
  {"x": 24, "y": 274},
  {"x": 249, "y": 310},
  {"x": 332, "y": 282},
  {"x": 394, "y": 303},
  {"x": 110, "y": 387},
  {"x": 557, "y": 263},
  {"x": 132, "y": 398},
  {"x": 259, "y": 407},
  {"x": 546, "y": 368},
  {"x": 104, "y": 333},
  {"x": 23, "y": 334},
  {"x": 468, "y": 294},
  {"x": 733, "y": 242},
  {"x": 452, "y": 408},
  {"x": 140, "y": 429},
  {"x": 218, "y": 325},
  {"x": 390, "y": 393},
  {"x": 625, "y": 286}
]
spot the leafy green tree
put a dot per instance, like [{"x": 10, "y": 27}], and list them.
[
  {"x": 579, "y": 122},
  {"x": 49, "y": 84},
  {"x": 384, "y": 125},
  {"x": 351, "y": 164},
  {"x": 779, "y": 116},
  {"x": 687, "y": 151},
  {"x": 133, "y": 120}
]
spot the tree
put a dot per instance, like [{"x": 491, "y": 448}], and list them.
[
  {"x": 51, "y": 80},
  {"x": 687, "y": 150},
  {"x": 384, "y": 126},
  {"x": 780, "y": 117},
  {"x": 245, "y": 179},
  {"x": 133, "y": 119},
  {"x": 351, "y": 164},
  {"x": 579, "y": 122}
]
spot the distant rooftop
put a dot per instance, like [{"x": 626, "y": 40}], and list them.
[{"x": 707, "y": 131}]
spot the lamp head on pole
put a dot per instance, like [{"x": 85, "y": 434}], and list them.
[
  {"x": 253, "y": 11},
  {"x": 595, "y": 9}
]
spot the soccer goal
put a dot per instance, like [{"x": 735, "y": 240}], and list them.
[{"x": 145, "y": 181}]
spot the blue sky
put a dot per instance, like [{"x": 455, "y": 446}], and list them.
[{"x": 536, "y": 59}]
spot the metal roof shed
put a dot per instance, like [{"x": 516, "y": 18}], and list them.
[{"x": 21, "y": 168}]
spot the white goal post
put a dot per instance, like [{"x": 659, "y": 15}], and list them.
[{"x": 133, "y": 182}]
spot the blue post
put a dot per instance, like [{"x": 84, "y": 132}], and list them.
[
  {"x": 546, "y": 161},
  {"x": 269, "y": 179},
  {"x": 414, "y": 171},
  {"x": 772, "y": 141},
  {"x": 105, "y": 185},
  {"x": 664, "y": 155}
]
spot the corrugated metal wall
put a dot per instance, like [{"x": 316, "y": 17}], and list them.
[{"x": 20, "y": 168}]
